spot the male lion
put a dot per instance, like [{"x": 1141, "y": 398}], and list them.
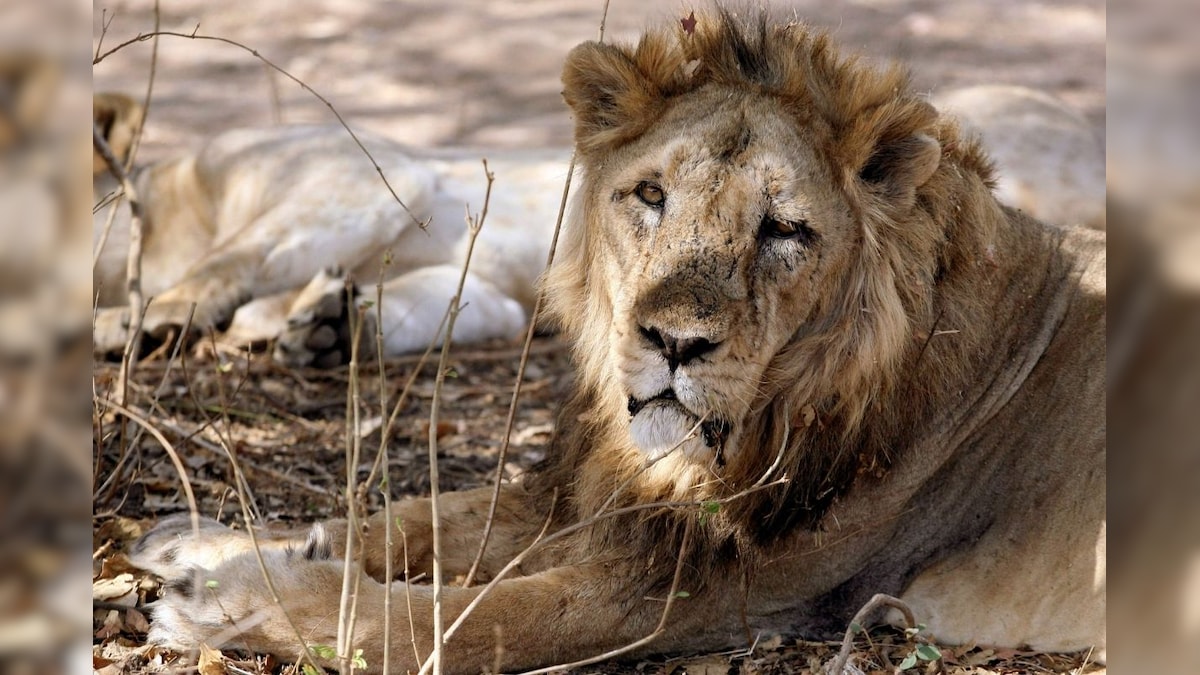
[{"x": 817, "y": 361}]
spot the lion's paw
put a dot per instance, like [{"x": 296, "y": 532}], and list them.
[
  {"x": 213, "y": 586},
  {"x": 318, "y": 324}
]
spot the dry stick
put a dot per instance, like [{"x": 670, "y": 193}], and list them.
[
  {"x": 385, "y": 482},
  {"x": 575, "y": 527},
  {"x": 133, "y": 268},
  {"x": 877, "y": 601},
  {"x": 244, "y": 501},
  {"x": 473, "y": 227},
  {"x": 226, "y": 442},
  {"x": 137, "y": 134},
  {"x": 520, "y": 378},
  {"x": 142, "y": 37},
  {"x": 402, "y": 398},
  {"x": 348, "y": 605},
  {"x": 658, "y": 630},
  {"x": 141, "y": 421},
  {"x": 114, "y": 475}
]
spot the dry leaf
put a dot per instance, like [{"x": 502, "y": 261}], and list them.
[
  {"x": 112, "y": 626},
  {"x": 136, "y": 621},
  {"x": 212, "y": 661},
  {"x": 121, "y": 588}
]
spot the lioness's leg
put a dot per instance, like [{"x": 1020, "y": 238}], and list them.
[{"x": 412, "y": 308}]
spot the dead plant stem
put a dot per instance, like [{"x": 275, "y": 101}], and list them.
[{"x": 474, "y": 225}]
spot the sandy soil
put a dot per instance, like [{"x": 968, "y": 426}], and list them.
[{"x": 485, "y": 73}]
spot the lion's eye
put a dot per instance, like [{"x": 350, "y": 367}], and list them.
[
  {"x": 650, "y": 194},
  {"x": 786, "y": 229}
]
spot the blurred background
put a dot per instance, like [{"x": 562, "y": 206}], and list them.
[{"x": 484, "y": 73}]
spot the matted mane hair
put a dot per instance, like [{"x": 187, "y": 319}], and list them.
[{"x": 837, "y": 400}]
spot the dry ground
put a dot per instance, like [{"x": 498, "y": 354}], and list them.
[{"x": 473, "y": 72}]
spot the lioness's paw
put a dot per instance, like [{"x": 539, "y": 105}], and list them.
[
  {"x": 111, "y": 330},
  {"x": 318, "y": 324}
]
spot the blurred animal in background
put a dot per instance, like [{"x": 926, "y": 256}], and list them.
[
  {"x": 1049, "y": 159},
  {"x": 235, "y": 231}
]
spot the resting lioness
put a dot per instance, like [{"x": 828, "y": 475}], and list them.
[
  {"x": 260, "y": 212},
  {"x": 817, "y": 360}
]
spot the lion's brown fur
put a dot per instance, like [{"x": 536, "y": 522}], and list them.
[{"x": 874, "y": 375}]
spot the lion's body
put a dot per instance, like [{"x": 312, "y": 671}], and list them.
[
  {"x": 256, "y": 214},
  {"x": 817, "y": 361}
]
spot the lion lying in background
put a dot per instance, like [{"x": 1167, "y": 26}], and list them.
[
  {"x": 258, "y": 214},
  {"x": 817, "y": 361},
  {"x": 241, "y": 226}
]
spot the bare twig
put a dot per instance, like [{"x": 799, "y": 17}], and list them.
[
  {"x": 473, "y": 226},
  {"x": 661, "y": 628},
  {"x": 133, "y": 278},
  {"x": 352, "y": 563},
  {"x": 136, "y": 142},
  {"x": 141, "y": 421},
  {"x": 194, "y": 35},
  {"x": 510, "y": 420},
  {"x": 877, "y": 601}
]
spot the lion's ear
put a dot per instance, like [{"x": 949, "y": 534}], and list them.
[
  {"x": 898, "y": 167},
  {"x": 609, "y": 94},
  {"x": 117, "y": 116}
]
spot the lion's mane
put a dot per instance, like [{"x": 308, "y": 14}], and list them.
[{"x": 839, "y": 400}]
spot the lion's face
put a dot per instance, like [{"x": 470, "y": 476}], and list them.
[
  {"x": 719, "y": 230},
  {"x": 742, "y": 250}
]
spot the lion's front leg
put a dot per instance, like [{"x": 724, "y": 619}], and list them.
[{"x": 463, "y": 516}]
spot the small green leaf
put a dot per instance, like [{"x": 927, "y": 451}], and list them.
[
  {"x": 855, "y": 627},
  {"x": 682, "y": 594},
  {"x": 367, "y": 304},
  {"x": 323, "y": 651},
  {"x": 212, "y": 583},
  {"x": 450, "y": 372},
  {"x": 909, "y": 661},
  {"x": 358, "y": 660},
  {"x": 309, "y": 669},
  {"x": 400, "y": 524},
  {"x": 711, "y": 507},
  {"x": 225, "y": 367},
  {"x": 928, "y": 652}
]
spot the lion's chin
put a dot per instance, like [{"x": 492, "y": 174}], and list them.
[{"x": 663, "y": 426}]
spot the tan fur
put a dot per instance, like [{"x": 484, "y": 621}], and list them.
[
  {"x": 238, "y": 227},
  {"x": 902, "y": 392}
]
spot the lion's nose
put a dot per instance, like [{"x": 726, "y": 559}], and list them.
[{"x": 677, "y": 351}]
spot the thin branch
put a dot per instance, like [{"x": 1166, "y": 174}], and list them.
[
  {"x": 474, "y": 226},
  {"x": 133, "y": 271},
  {"x": 662, "y": 621},
  {"x": 142, "y": 37},
  {"x": 347, "y": 612},
  {"x": 510, "y": 420},
  {"x": 877, "y": 601},
  {"x": 141, "y": 421}
]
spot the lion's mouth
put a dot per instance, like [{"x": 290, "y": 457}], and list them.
[{"x": 714, "y": 431}]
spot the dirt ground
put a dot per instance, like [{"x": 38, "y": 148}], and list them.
[{"x": 480, "y": 73}]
